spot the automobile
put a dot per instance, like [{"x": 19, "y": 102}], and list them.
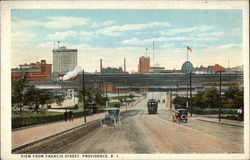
[
  {"x": 112, "y": 117},
  {"x": 152, "y": 106},
  {"x": 180, "y": 116}
]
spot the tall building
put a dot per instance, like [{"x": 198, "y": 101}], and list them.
[
  {"x": 144, "y": 65},
  {"x": 33, "y": 71},
  {"x": 64, "y": 59}
]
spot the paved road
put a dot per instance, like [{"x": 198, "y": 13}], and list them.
[{"x": 144, "y": 133}]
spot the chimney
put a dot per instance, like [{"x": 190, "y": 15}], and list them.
[
  {"x": 100, "y": 65},
  {"x": 124, "y": 64}
]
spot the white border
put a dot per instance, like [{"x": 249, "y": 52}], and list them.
[{"x": 6, "y": 7}]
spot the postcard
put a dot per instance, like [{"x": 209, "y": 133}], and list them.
[{"x": 124, "y": 80}]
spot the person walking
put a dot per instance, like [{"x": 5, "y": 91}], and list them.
[
  {"x": 239, "y": 112},
  {"x": 66, "y": 116},
  {"x": 70, "y": 115}
]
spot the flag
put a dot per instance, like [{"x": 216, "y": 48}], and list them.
[{"x": 188, "y": 48}]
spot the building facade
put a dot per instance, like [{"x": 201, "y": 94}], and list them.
[
  {"x": 144, "y": 65},
  {"x": 64, "y": 60},
  {"x": 217, "y": 68},
  {"x": 33, "y": 71},
  {"x": 112, "y": 70}
]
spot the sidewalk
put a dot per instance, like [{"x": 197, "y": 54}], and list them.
[
  {"x": 30, "y": 134},
  {"x": 215, "y": 119}
]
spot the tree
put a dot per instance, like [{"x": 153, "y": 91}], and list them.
[
  {"x": 211, "y": 97},
  {"x": 237, "y": 95},
  {"x": 59, "y": 98},
  {"x": 89, "y": 96},
  {"x": 37, "y": 97},
  {"x": 198, "y": 99},
  {"x": 99, "y": 99},
  {"x": 18, "y": 92}
]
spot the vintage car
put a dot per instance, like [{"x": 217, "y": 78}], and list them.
[
  {"x": 180, "y": 116},
  {"x": 112, "y": 117}
]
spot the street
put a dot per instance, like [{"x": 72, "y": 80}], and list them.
[{"x": 154, "y": 133}]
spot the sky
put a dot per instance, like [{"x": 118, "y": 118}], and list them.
[{"x": 215, "y": 36}]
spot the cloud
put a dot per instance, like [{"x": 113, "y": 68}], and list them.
[
  {"x": 22, "y": 36},
  {"x": 187, "y": 30},
  {"x": 214, "y": 34},
  {"x": 116, "y": 30},
  {"x": 52, "y": 22},
  {"x": 231, "y": 45},
  {"x": 61, "y": 35},
  {"x": 101, "y": 24},
  {"x": 65, "y": 22},
  {"x": 236, "y": 32},
  {"x": 136, "y": 41},
  {"x": 83, "y": 33},
  {"x": 168, "y": 45},
  {"x": 24, "y": 24}
]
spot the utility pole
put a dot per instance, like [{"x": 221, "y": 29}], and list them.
[
  {"x": 153, "y": 53},
  {"x": 187, "y": 105},
  {"x": 190, "y": 103},
  {"x": 170, "y": 99},
  {"x": 84, "y": 102},
  {"x": 220, "y": 99},
  {"x": 125, "y": 93},
  {"x": 106, "y": 94},
  {"x": 177, "y": 87},
  {"x": 118, "y": 96}
]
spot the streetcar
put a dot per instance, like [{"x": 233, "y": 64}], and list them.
[{"x": 152, "y": 106}]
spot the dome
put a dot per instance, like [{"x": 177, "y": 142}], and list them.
[{"x": 187, "y": 67}]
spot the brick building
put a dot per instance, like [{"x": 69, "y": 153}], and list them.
[
  {"x": 33, "y": 71},
  {"x": 144, "y": 65},
  {"x": 217, "y": 68}
]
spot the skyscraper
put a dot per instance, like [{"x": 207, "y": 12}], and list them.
[
  {"x": 144, "y": 65},
  {"x": 64, "y": 59}
]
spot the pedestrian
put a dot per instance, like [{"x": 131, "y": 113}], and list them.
[
  {"x": 70, "y": 115},
  {"x": 66, "y": 116},
  {"x": 239, "y": 112}
]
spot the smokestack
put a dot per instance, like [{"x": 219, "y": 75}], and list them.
[
  {"x": 100, "y": 65},
  {"x": 124, "y": 64}
]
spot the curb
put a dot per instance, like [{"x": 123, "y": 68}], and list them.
[
  {"x": 51, "y": 136},
  {"x": 221, "y": 123}
]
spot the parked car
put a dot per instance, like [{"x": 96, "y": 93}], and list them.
[{"x": 112, "y": 117}]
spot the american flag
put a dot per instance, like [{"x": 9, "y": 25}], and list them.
[{"x": 188, "y": 48}]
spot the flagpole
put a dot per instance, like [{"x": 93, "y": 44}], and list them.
[{"x": 187, "y": 54}]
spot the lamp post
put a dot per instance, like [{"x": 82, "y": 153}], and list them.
[
  {"x": 118, "y": 97},
  {"x": 190, "y": 101},
  {"x": 106, "y": 87},
  {"x": 84, "y": 102},
  {"x": 220, "y": 99}
]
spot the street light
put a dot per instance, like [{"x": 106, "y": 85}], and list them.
[
  {"x": 118, "y": 96},
  {"x": 190, "y": 103},
  {"x": 84, "y": 103},
  {"x": 220, "y": 98}
]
